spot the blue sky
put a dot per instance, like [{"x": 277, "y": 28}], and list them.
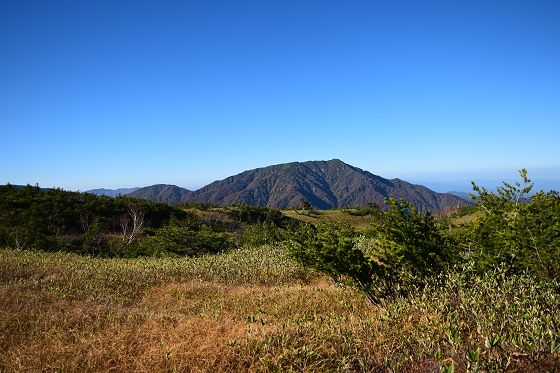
[{"x": 132, "y": 93}]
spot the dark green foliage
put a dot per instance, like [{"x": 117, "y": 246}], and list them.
[
  {"x": 198, "y": 206},
  {"x": 93, "y": 241},
  {"x": 189, "y": 240},
  {"x": 406, "y": 246},
  {"x": 512, "y": 228},
  {"x": 262, "y": 233},
  {"x": 260, "y": 225},
  {"x": 256, "y": 214},
  {"x": 464, "y": 211},
  {"x": 331, "y": 250},
  {"x": 54, "y": 219},
  {"x": 409, "y": 241},
  {"x": 370, "y": 210}
]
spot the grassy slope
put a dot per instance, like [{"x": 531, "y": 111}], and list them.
[
  {"x": 362, "y": 223},
  {"x": 254, "y": 310},
  {"x": 342, "y": 216}
]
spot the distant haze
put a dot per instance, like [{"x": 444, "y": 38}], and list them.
[{"x": 543, "y": 178}]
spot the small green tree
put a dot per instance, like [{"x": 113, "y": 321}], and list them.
[
  {"x": 330, "y": 249},
  {"x": 305, "y": 206},
  {"x": 93, "y": 242},
  {"x": 410, "y": 241},
  {"x": 515, "y": 228},
  {"x": 261, "y": 234},
  {"x": 405, "y": 245},
  {"x": 184, "y": 240}
]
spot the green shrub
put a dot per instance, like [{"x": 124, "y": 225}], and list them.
[
  {"x": 262, "y": 234},
  {"x": 330, "y": 249},
  {"x": 255, "y": 214},
  {"x": 184, "y": 240},
  {"x": 370, "y": 210},
  {"x": 406, "y": 240},
  {"x": 403, "y": 249},
  {"x": 512, "y": 228},
  {"x": 93, "y": 242},
  {"x": 58, "y": 220}
]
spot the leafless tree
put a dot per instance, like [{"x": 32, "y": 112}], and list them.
[
  {"x": 132, "y": 222},
  {"x": 20, "y": 236},
  {"x": 85, "y": 219}
]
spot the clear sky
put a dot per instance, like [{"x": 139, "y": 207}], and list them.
[{"x": 113, "y": 93}]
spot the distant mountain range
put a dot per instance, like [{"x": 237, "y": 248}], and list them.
[
  {"x": 111, "y": 192},
  {"x": 324, "y": 184}
]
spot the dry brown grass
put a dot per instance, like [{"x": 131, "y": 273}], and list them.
[
  {"x": 188, "y": 327},
  {"x": 62, "y": 312},
  {"x": 70, "y": 336}
]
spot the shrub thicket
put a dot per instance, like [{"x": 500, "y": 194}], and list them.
[
  {"x": 515, "y": 228},
  {"x": 264, "y": 233},
  {"x": 405, "y": 248},
  {"x": 178, "y": 239}
]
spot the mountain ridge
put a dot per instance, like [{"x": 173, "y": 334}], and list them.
[
  {"x": 167, "y": 193},
  {"x": 112, "y": 192},
  {"x": 324, "y": 184}
]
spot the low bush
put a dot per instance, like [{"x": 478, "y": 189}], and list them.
[
  {"x": 402, "y": 249},
  {"x": 177, "y": 239},
  {"x": 262, "y": 234},
  {"x": 514, "y": 228}
]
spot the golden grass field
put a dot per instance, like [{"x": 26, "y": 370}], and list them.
[{"x": 254, "y": 310}]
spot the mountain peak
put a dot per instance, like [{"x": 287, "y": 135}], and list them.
[
  {"x": 332, "y": 162},
  {"x": 162, "y": 193},
  {"x": 324, "y": 184}
]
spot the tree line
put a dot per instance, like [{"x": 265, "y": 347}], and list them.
[
  {"x": 509, "y": 227},
  {"x": 57, "y": 220}
]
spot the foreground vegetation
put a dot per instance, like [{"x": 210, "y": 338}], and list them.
[
  {"x": 56, "y": 220},
  {"x": 91, "y": 284},
  {"x": 254, "y": 309}
]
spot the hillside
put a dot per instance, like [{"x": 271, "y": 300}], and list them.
[
  {"x": 325, "y": 184},
  {"x": 162, "y": 193},
  {"x": 242, "y": 288},
  {"x": 464, "y": 195}
]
